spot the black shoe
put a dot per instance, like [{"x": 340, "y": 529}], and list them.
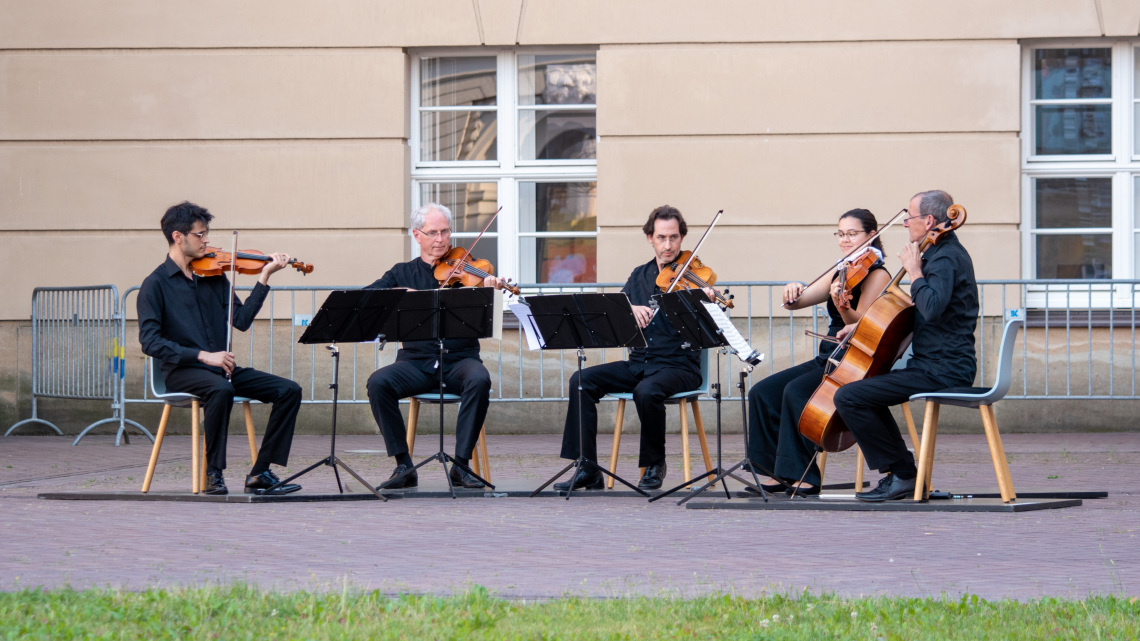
[
  {"x": 463, "y": 478},
  {"x": 890, "y": 488},
  {"x": 215, "y": 484},
  {"x": 811, "y": 490},
  {"x": 653, "y": 478},
  {"x": 588, "y": 477},
  {"x": 771, "y": 488},
  {"x": 260, "y": 484},
  {"x": 412, "y": 479}
]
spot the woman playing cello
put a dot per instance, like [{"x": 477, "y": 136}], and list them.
[{"x": 775, "y": 446}]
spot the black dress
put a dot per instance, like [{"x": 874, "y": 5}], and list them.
[{"x": 774, "y": 406}]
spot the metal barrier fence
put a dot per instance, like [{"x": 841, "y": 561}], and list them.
[
  {"x": 1076, "y": 345},
  {"x": 77, "y": 351}
]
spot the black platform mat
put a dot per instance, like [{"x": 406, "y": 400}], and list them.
[{"x": 848, "y": 503}]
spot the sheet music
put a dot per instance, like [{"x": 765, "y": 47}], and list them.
[
  {"x": 526, "y": 322},
  {"x": 497, "y": 315},
  {"x": 743, "y": 350}
]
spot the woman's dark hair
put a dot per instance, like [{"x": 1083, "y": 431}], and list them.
[
  {"x": 867, "y": 220},
  {"x": 181, "y": 218},
  {"x": 665, "y": 212}
]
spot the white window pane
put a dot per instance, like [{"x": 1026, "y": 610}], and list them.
[
  {"x": 458, "y": 136},
  {"x": 557, "y": 135},
  {"x": 472, "y": 204},
  {"x": 1074, "y": 256},
  {"x": 1072, "y": 73},
  {"x": 1065, "y": 203},
  {"x": 459, "y": 81},
  {"x": 559, "y": 79}
]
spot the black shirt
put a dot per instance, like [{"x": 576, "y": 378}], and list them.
[
  {"x": 837, "y": 323},
  {"x": 179, "y": 316},
  {"x": 417, "y": 274},
  {"x": 663, "y": 342},
  {"x": 946, "y": 302}
]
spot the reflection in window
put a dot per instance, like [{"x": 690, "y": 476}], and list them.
[
  {"x": 563, "y": 84},
  {"x": 1074, "y": 76},
  {"x": 1074, "y": 256},
  {"x": 471, "y": 204},
  {"x": 1073, "y": 202},
  {"x": 566, "y": 209},
  {"x": 458, "y": 121}
]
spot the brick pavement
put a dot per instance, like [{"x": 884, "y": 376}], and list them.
[{"x": 546, "y": 547}]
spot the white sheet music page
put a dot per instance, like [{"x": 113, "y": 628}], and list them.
[
  {"x": 743, "y": 350},
  {"x": 526, "y": 322}
]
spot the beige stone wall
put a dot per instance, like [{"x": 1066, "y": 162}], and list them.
[{"x": 289, "y": 119}]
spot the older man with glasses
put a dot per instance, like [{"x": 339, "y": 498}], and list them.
[
  {"x": 945, "y": 296},
  {"x": 415, "y": 370}
]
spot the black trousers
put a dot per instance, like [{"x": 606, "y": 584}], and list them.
[
  {"x": 467, "y": 378},
  {"x": 649, "y": 394},
  {"x": 865, "y": 406},
  {"x": 217, "y": 396},
  {"x": 774, "y": 407}
]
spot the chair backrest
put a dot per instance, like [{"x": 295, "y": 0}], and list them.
[
  {"x": 155, "y": 378},
  {"x": 1005, "y": 360},
  {"x": 704, "y": 371}
]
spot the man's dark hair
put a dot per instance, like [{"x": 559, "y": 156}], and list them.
[
  {"x": 665, "y": 212},
  {"x": 181, "y": 218},
  {"x": 934, "y": 203}
]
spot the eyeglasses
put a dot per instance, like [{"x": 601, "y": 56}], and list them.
[
  {"x": 200, "y": 234},
  {"x": 906, "y": 221},
  {"x": 850, "y": 234},
  {"x": 444, "y": 233}
]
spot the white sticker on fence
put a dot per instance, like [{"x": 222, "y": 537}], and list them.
[
  {"x": 1011, "y": 314},
  {"x": 302, "y": 320}
]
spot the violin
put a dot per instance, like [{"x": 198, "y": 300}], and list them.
[
  {"x": 249, "y": 261},
  {"x": 877, "y": 341},
  {"x": 852, "y": 272},
  {"x": 458, "y": 268},
  {"x": 698, "y": 275}
]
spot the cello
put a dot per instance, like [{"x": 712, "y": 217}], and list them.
[{"x": 872, "y": 349}]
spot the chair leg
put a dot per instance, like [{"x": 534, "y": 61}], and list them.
[
  {"x": 860, "y": 463},
  {"x": 481, "y": 455},
  {"x": 158, "y": 436},
  {"x": 202, "y": 467},
  {"x": 249, "y": 432},
  {"x": 195, "y": 479},
  {"x": 701, "y": 435},
  {"x": 914, "y": 439},
  {"x": 617, "y": 443},
  {"x": 997, "y": 453},
  {"x": 821, "y": 463},
  {"x": 413, "y": 419},
  {"x": 926, "y": 451},
  {"x": 685, "y": 462}
]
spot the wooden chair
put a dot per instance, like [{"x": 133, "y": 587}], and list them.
[
  {"x": 682, "y": 399},
  {"x": 479, "y": 462},
  {"x": 981, "y": 398},
  {"x": 179, "y": 399}
]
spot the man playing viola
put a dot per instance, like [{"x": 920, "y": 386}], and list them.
[
  {"x": 414, "y": 371},
  {"x": 652, "y": 373},
  {"x": 945, "y": 297},
  {"x": 182, "y": 325}
]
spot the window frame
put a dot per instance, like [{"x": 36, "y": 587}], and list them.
[
  {"x": 1122, "y": 166},
  {"x": 508, "y": 171}
]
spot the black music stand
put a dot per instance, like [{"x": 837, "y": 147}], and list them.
[
  {"x": 441, "y": 314},
  {"x": 685, "y": 310},
  {"x": 578, "y": 321},
  {"x": 355, "y": 316}
]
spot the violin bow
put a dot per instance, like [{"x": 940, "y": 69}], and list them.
[
  {"x": 233, "y": 284},
  {"x": 693, "y": 254},
  {"x": 466, "y": 254},
  {"x": 858, "y": 249}
]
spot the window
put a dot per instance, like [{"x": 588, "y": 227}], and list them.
[
  {"x": 517, "y": 129},
  {"x": 1081, "y": 168}
]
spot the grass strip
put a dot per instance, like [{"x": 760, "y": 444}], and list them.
[{"x": 243, "y": 612}]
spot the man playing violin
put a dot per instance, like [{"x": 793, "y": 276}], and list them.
[
  {"x": 414, "y": 371},
  {"x": 945, "y": 296},
  {"x": 182, "y": 325},
  {"x": 652, "y": 373}
]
